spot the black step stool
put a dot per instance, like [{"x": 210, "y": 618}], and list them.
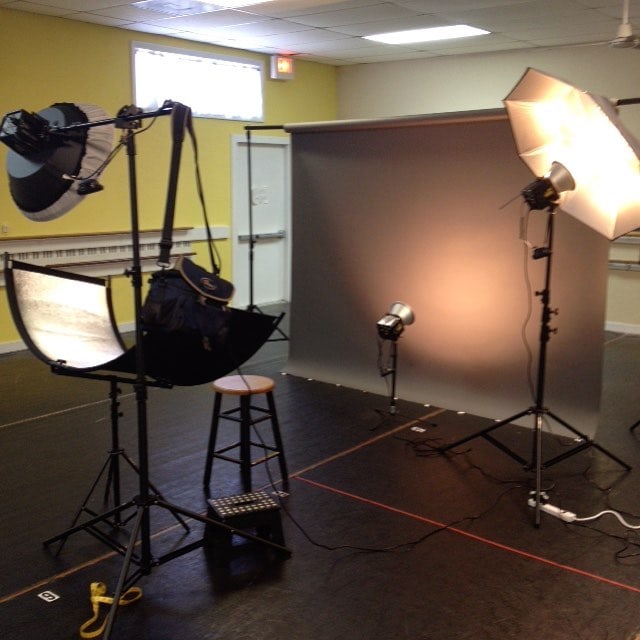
[{"x": 255, "y": 513}]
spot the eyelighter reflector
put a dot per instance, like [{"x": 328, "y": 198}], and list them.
[{"x": 63, "y": 318}]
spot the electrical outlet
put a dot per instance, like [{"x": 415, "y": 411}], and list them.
[{"x": 4, "y": 228}]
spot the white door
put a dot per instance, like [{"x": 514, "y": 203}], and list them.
[{"x": 264, "y": 212}]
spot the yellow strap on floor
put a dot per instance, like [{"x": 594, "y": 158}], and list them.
[{"x": 98, "y": 597}]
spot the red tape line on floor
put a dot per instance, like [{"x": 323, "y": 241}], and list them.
[{"x": 472, "y": 536}]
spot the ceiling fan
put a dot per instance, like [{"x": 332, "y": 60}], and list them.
[{"x": 625, "y": 38}]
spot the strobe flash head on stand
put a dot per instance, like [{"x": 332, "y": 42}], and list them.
[
  {"x": 24, "y": 132},
  {"x": 545, "y": 192},
  {"x": 591, "y": 169},
  {"x": 51, "y": 164},
  {"x": 392, "y": 324},
  {"x": 390, "y": 327}
]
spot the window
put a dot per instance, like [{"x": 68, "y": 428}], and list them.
[{"x": 212, "y": 86}]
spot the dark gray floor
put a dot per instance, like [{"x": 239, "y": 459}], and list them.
[{"x": 389, "y": 540}]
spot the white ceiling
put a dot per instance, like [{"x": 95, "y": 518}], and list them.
[{"x": 330, "y": 31}]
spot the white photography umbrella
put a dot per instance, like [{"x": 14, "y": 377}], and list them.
[{"x": 561, "y": 129}]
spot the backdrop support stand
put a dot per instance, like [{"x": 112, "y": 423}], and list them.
[
  {"x": 539, "y": 410},
  {"x": 252, "y": 237}
]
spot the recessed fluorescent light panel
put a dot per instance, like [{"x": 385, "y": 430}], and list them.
[
  {"x": 432, "y": 34},
  {"x": 175, "y": 8},
  {"x": 182, "y": 8}
]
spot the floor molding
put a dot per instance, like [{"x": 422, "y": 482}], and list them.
[{"x": 623, "y": 327}]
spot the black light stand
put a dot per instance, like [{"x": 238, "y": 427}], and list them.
[
  {"x": 390, "y": 328},
  {"x": 393, "y": 373},
  {"x": 139, "y": 551},
  {"x": 252, "y": 237},
  {"x": 539, "y": 410},
  {"x": 145, "y": 500},
  {"x": 111, "y": 466}
]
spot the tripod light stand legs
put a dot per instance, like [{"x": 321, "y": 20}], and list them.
[
  {"x": 539, "y": 410},
  {"x": 111, "y": 467}
]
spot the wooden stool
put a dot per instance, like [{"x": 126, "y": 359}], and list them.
[{"x": 245, "y": 387}]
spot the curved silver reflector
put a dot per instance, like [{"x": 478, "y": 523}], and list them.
[{"x": 63, "y": 318}]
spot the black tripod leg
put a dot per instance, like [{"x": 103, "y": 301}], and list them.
[
  {"x": 483, "y": 433},
  {"x": 283, "y": 336},
  {"x": 588, "y": 442},
  {"x": 270, "y": 544},
  {"x": 103, "y": 518},
  {"x": 176, "y": 515},
  {"x": 83, "y": 508},
  {"x": 113, "y": 482},
  {"x": 112, "y": 464},
  {"x": 124, "y": 571}
]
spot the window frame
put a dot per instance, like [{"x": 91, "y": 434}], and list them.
[{"x": 180, "y": 51}]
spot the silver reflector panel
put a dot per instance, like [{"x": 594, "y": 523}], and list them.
[{"x": 63, "y": 318}]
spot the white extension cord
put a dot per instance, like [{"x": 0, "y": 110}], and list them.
[{"x": 568, "y": 516}]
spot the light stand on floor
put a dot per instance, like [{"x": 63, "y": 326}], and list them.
[
  {"x": 390, "y": 327},
  {"x": 66, "y": 320},
  {"x": 539, "y": 410},
  {"x": 15, "y": 129},
  {"x": 393, "y": 372},
  {"x": 141, "y": 531},
  {"x": 586, "y": 164}
]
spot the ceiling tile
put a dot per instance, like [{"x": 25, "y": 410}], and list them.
[
  {"x": 306, "y": 27},
  {"x": 384, "y": 11}
]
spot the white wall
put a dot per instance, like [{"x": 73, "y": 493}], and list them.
[
  {"x": 481, "y": 81},
  {"x": 463, "y": 83}
]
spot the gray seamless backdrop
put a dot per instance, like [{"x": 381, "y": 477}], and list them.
[{"x": 427, "y": 210}]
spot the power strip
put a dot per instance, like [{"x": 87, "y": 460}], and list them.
[{"x": 565, "y": 516}]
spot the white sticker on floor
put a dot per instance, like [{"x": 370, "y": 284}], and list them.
[{"x": 48, "y": 596}]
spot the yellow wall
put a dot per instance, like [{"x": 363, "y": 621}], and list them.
[{"x": 47, "y": 60}]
